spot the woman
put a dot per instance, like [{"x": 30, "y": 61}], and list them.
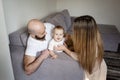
[{"x": 88, "y": 48}]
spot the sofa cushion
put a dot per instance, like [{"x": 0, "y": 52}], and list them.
[
  {"x": 58, "y": 20},
  {"x": 45, "y": 19},
  {"x": 67, "y": 18},
  {"x": 24, "y": 37},
  {"x": 15, "y": 37},
  {"x": 70, "y": 29},
  {"x": 110, "y": 36},
  {"x": 108, "y": 29},
  {"x": 61, "y": 18}
]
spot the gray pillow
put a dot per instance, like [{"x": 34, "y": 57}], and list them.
[
  {"x": 61, "y": 18},
  {"x": 58, "y": 20},
  {"x": 67, "y": 18},
  {"x": 45, "y": 19},
  {"x": 24, "y": 37}
]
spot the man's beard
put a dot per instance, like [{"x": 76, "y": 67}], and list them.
[{"x": 42, "y": 38}]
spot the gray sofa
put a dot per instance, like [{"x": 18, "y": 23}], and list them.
[{"x": 64, "y": 67}]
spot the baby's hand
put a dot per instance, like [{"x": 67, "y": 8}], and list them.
[
  {"x": 44, "y": 54},
  {"x": 54, "y": 56}
]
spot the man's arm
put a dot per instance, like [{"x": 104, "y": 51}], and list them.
[{"x": 32, "y": 63}]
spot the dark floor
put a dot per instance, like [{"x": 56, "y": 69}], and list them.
[{"x": 112, "y": 60}]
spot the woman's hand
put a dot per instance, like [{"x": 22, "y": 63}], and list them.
[
  {"x": 60, "y": 48},
  {"x": 67, "y": 51}
]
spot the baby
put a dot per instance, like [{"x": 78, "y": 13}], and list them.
[{"x": 58, "y": 39}]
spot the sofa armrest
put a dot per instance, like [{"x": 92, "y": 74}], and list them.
[
  {"x": 18, "y": 37},
  {"x": 110, "y": 36}
]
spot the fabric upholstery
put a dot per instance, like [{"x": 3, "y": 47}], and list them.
[
  {"x": 62, "y": 68},
  {"x": 58, "y": 20},
  {"x": 15, "y": 37},
  {"x": 61, "y": 18},
  {"x": 110, "y": 36},
  {"x": 24, "y": 37},
  {"x": 67, "y": 18}
]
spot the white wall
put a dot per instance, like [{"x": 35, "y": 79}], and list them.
[
  {"x": 18, "y": 12},
  {"x": 104, "y": 11},
  {"x": 6, "y": 72}
]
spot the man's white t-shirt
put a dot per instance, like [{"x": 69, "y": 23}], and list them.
[
  {"x": 54, "y": 43},
  {"x": 36, "y": 46}
]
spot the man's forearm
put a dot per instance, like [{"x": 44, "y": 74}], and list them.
[
  {"x": 33, "y": 66},
  {"x": 32, "y": 63}
]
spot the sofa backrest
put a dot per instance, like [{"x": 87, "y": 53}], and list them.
[
  {"x": 62, "y": 18},
  {"x": 18, "y": 37}
]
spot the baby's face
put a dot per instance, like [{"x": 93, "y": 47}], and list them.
[{"x": 58, "y": 35}]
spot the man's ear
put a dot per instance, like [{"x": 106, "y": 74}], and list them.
[{"x": 32, "y": 35}]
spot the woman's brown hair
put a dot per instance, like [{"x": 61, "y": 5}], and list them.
[{"x": 87, "y": 42}]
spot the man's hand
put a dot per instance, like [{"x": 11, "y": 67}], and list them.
[{"x": 44, "y": 54}]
